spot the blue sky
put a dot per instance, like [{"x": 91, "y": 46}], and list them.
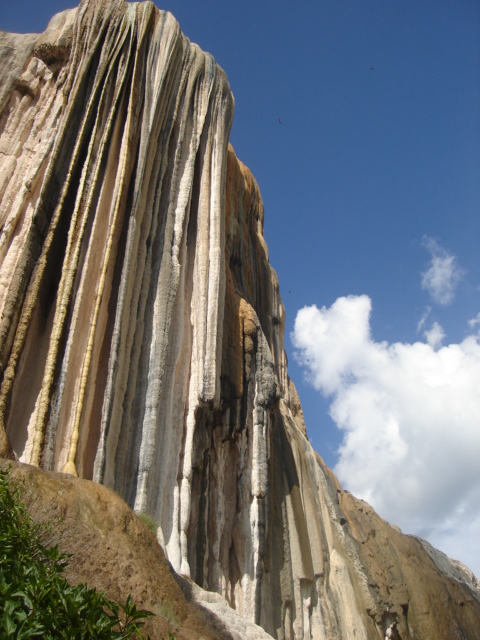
[{"x": 361, "y": 124}]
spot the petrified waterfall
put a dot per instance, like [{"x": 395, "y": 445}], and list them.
[{"x": 141, "y": 335}]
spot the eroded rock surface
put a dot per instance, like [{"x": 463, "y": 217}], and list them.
[
  {"x": 141, "y": 336},
  {"x": 113, "y": 551}
]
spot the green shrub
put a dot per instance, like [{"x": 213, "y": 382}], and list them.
[{"x": 36, "y": 601}]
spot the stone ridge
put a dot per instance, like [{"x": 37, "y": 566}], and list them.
[{"x": 142, "y": 329}]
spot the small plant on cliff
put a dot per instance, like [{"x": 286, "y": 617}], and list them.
[
  {"x": 166, "y": 610},
  {"x": 36, "y": 601},
  {"x": 149, "y": 522}
]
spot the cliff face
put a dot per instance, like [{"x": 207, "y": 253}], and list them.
[{"x": 141, "y": 335}]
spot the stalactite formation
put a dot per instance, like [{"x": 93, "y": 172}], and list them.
[{"x": 141, "y": 334}]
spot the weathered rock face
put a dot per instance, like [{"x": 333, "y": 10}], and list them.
[
  {"x": 114, "y": 552},
  {"x": 141, "y": 335}
]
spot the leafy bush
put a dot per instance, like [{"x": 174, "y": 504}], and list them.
[{"x": 36, "y": 601}]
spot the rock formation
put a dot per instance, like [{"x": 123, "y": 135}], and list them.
[
  {"x": 141, "y": 335},
  {"x": 112, "y": 551}
]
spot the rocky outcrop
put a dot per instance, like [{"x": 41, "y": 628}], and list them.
[
  {"x": 141, "y": 335},
  {"x": 113, "y": 551}
]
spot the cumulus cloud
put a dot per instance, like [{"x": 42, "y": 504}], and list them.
[
  {"x": 443, "y": 274},
  {"x": 435, "y": 335},
  {"x": 410, "y": 416}
]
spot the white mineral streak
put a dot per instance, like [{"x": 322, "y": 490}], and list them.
[
  {"x": 337, "y": 604},
  {"x": 141, "y": 326},
  {"x": 235, "y": 625}
]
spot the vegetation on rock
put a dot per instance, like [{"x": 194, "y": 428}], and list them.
[{"x": 36, "y": 601}]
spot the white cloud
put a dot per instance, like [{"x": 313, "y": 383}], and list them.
[
  {"x": 410, "y": 414},
  {"x": 443, "y": 275},
  {"x": 475, "y": 322},
  {"x": 435, "y": 335},
  {"x": 423, "y": 320}
]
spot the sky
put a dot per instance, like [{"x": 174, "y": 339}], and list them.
[{"x": 360, "y": 121}]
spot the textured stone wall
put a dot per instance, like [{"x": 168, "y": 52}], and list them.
[{"x": 141, "y": 334}]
